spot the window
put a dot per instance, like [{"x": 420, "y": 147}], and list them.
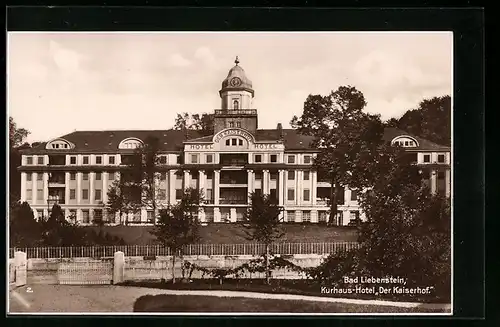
[
  {"x": 306, "y": 216},
  {"x": 162, "y": 194},
  {"x": 231, "y": 124},
  {"x": 72, "y": 160},
  {"x": 85, "y": 216},
  {"x": 98, "y": 160},
  {"x": 228, "y": 142},
  {"x": 291, "y": 175},
  {"x": 306, "y": 175},
  {"x": 85, "y": 194},
  {"x": 29, "y": 160},
  {"x": 39, "y": 177},
  {"x": 427, "y": 158},
  {"x": 163, "y": 176},
  {"x": 111, "y": 176},
  {"x": 29, "y": 195},
  {"x": 72, "y": 176},
  {"x": 111, "y": 160},
  {"x": 178, "y": 175},
  {"x": 209, "y": 194},
  {"x": 179, "y": 160},
  {"x": 97, "y": 215},
  {"x": 85, "y": 176},
  {"x": 274, "y": 158},
  {"x": 97, "y": 176},
  {"x": 291, "y": 159},
  {"x": 258, "y": 158},
  {"x": 194, "y": 158},
  {"x": 322, "y": 216},
  {"x": 273, "y": 176},
  {"x": 406, "y": 143},
  {"x": 28, "y": 177},
  {"x": 440, "y": 174},
  {"x": 137, "y": 216},
  {"x": 354, "y": 195},
  {"x": 291, "y": 194},
  {"x": 150, "y": 215},
  {"x": 40, "y": 160},
  {"x": 233, "y": 141},
  {"x": 209, "y": 158},
  {"x": 178, "y": 194},
  {"x": 307, "y": 195},
  {"x": 290, "y": 216},
  {"x": 85, "y": 160},
  {"x": 39, "y": 194},
  {"x": 441, "y": 158},
  {"x": 163, "y": 160},
  {"x": 307, "y": 159},
  {"x": 240, "y": 142},
  {"x": 236, "y": 105},
  {"x": 238, "y": 124},
  {"x": 354, "y": 215},
  {"x": 72, "y": 194},
  {"x": 97, "y": 195},
  {"x": 412, "y": 143}
]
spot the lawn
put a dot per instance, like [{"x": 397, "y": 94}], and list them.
[
  {"x": 200, "y": 304},
  {"x": 234, "y": 233}
]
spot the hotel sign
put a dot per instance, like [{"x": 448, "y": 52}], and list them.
[
  {"x": 234, "y": 132},
  {"x": 201, "y": 147}
]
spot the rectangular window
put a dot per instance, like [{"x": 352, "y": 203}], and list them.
[
  {"x": 72, "y": 194},
  {"x": 238, "y": 124},
  {"x": 39, "y": 194},
  {"x": 322, "y": 216},
  {"x": 441, "y": 158},
  {"x": 40, "y": 160},
  {"x": 440, "y": 174},
  {"x": 307, "y": 159},
  {"x": 97, "y": 215},
  {"x": 97, "y": 195},
  {"x": 228, "y": 142},
  {"x": 28, "y": 177},
  {"x": 29, "y": 195},
  {"x": 291, "y": 175},
  {"x": 194, "y": 158},
  {"x": 111, "y": 160},
  {"x": 163, "y": 160},
  {"x": 306, "y": 175},
  {"x": 406, "y": 143},
  {"x": 179, "y": 159},
  {"x": 307, "y": 195},
  {"x": 85, "y": 194},
  {"x": 258, "y": 158},
  {"x": 233, "y": 141},
  {"x": 29, "y": 160},
  {"x": 290, "y": 216},
  {"x": 162, "y": 194},
  {"x": 274, "y": 158},
  {"x": 427, "y": 158},
  {"x": 85, "y": 216},
  {"x": 97, "y": 176},
  {"x": 354, "y": 195},
  {"x": 39, "y": 177},
  {"x": 150, "y": 215},
  {"x": 72, "y": 176},
  {"x": 98, "y": 160},
  {"x": 85, "y": 176},
  {"x": 291, "y": 194},
  {"x": 178, "y": 194},
  {"x": 306, "y": 216},
  {"x": 209, "y": 194},
  {"x": 291, "y": 159},
  {"x": 209, "y": 158},
  {"x": 111, "y": 176},
  {"x": 85, "y": 160},
  {"x": 273, "y": 176},
  {"x": 72, "y": 160}
]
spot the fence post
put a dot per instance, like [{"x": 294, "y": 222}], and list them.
[
  {"x": 118, "y": 267},
  {"x": 21, "y": 264}
]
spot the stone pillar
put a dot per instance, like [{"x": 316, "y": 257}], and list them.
[
  {"x": 119, "y": 268},
  {"x": 281, "y": 187},
  {"x": 201, "y": 214},
  {"x": 21, "y": 264},
  {"x": 216, "y": 189},
  {"x": 314, "y": 187},
  {"x": 201, "y": 182},
  {"x": 433, "y": 181},
  {"x": 45, "y": 187},
  {"x": 171, "y": 186},
  {"x": 66, "y": 188},
  {"x": 34, "y": 188},
  {"x": 216, "y": 215},
  {"x": 78, "y": 187},
  {"x": 187, "y": 180},
  {"x": 104, "y": 177},
  {"x": 250, "y": 185},
  {"x": 299, "y": 187},
  {"x": 448, "y": 182},
  {"x": 23, "y": 187},
  {"x": 233, "y": 215},
  {"x": 297, "y": 190},
  {"x": 91, "y": 187},
  {"x": 265, "y": 182},
  {"x": 314, "y": 216}
]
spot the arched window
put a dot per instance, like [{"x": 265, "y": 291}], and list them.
[{"x": 236, "y": 105}]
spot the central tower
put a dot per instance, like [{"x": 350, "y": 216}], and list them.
[{"x": 236, "y": 102}]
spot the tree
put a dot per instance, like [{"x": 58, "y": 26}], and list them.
[
  {"x": 16, "y": 135},
  {"x": 57, "y": 231},
  {"x": 203, "y": 123},
  {"x": 348, "y": 139},
  {"x": 178, "y": 225},
  {"x": 263, "y": 219},
  {"x": 16, "y": 143},
  {"x": 431, "y": 120},
  {"x": 24, "y": 230}
]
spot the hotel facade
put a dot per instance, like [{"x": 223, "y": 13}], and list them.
[{"x": 77, "y": 169}]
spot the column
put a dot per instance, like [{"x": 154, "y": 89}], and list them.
[
  {"x": 265, "y": 182},
  {"x": 66, "y": 187},
  {"x": 23, "y": 186},
  {"x": 233, "y": 215},
  {"x": 297, "y": 189},
  {"x": 201, "y": 181},
  {"x": 216, "y": 215},
  {"x": 186, "y": 179},
  {"x": 347, "y": 195},
  {"x": 201, "y": 214},
  {"x": 45, "y": 187},
  {"x": 314, "y": 216},
  {"x": 171, "y": 186},
  {"x": 433, "y": 181},
  {"x": 104, "y": 177},
  {"x": 216, "y": 189},
  {"x": 34, "y": 188},
  {"x": 91, "y": 186},
  {"x": 281, "y": 188},
  {"x": 250, "y": 184},
  {"x": 314, "y": 187},
  {"x": 78, "y": 187},
  {"x": 448, "y": 182}
]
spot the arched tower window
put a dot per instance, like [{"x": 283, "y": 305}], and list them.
[{"x": 236, "y": 105}]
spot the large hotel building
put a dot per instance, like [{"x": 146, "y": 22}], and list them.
[{"x": 76, "y": 170}]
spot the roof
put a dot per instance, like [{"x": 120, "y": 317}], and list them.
[{"x": 172, "y": 140}]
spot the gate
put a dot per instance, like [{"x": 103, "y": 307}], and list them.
[{"x": 91, "y": 272}]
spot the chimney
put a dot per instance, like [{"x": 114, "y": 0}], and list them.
[{"x": 280, "y": 131}]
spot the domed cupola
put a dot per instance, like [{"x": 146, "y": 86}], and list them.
[{"x": 237, "y": 80}]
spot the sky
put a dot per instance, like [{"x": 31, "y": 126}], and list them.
[{"x": 62, "y": 82}]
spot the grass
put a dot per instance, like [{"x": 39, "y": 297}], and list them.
[
  {"x": 219, "y": 233},
  {"x": 200, "y": 304}
]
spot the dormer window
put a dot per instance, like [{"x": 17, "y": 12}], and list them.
[
  {"x": 58, "y": 144},
  {"x": 236, "y": 105},
  {"x": 405, "y": 141}
]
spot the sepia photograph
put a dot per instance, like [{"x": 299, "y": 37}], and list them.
[{"x": 223, "y": 173}]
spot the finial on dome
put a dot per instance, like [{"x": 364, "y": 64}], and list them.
[{"x": 236, "y": 61}]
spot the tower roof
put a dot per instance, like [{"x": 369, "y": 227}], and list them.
[{"x": 237, "y": 79}]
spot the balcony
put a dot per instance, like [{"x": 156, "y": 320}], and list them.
[
  {"x": 232, "y": 201},
  {"x": 240, "y": 112},
  {"x": 232, "y": 160}
]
